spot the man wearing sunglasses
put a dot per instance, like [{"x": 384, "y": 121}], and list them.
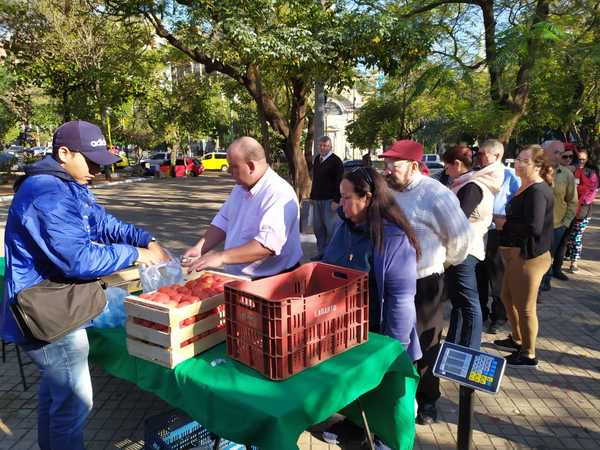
[
  {"x": 565, "y": 207},
  {"x": 56, "y": 230}
]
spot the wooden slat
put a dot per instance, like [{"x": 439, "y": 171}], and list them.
[
  {"x": 171, "y": 357},
  {"x": 177, "y": 335}
]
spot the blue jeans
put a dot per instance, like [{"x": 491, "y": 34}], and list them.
[
  {"x": 65, "y": 391},
  {"x": 466, "y": 320},
  {"x": 325, "y": 222}
]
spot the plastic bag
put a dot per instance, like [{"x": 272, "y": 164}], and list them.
[
  {"x": 163, "y": 274},
  {"x": 114, "y": 312}
]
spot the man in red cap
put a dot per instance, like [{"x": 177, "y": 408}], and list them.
[{"x": 443, "y": 233}]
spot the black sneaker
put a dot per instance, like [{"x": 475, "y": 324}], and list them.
[
  {"x": 516, "y": 359},
  {"x": 507, "y": 344},
  {"x": 545, "y": 286},
  {"x": 494, "y": 327},
  {"x": 560, "y": 275},
  {"x": 427, "y": 414}
]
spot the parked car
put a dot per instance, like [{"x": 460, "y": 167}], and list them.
[
  {"x": 183, "y": 167},
  {"x": 15, "y": 150},
  {"x": 152, "y": 164},
  {"x": 7, "y": 161},
  {"x": 352, "y": 164},
  {"x": 38, "y": 151},
  {"x": 431, "y": 157},
  {"x": 215, "y": 161},
  {"x": 434, "y": 167}
]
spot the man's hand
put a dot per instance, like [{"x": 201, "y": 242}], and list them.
[
  {"x": 152, "y": 255},
  {"x": 192, "y": 254},
  {"x": 334, "y": 206},
  {"x": 158, "y": 251},
  {"x": 209, "y": 259},
  {"x": 499, "y": 221}
]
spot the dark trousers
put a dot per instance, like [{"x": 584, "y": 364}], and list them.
[
  {"x": 430, "y": 324},
  {"x": 465, "y": 319},
  {"x": 556, "y": 252},
  {"x": 489, "y": 280}
]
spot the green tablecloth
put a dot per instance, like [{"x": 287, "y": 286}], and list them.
[{"x": 238, "y": 403}]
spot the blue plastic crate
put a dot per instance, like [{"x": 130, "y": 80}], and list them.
[{"x": 173, "y": 430}]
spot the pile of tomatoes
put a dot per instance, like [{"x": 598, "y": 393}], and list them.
[{"x": 178, "y": 296}]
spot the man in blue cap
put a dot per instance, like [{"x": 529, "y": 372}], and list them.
[{"x": 56, "y": 230}]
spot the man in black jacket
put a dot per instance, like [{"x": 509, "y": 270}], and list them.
[{"x": 325, "y": 194}]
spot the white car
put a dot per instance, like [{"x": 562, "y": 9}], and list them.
[
  {"x": 38, "y": 151},
  {"x": 152, "y": 164},
  {"x": 431, "y": 157}
]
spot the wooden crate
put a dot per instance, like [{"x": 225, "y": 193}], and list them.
[
  {"x": 127, "y": 279},
  {"x": 170, "y": 357},
  {"x": 163, "y": 347}
]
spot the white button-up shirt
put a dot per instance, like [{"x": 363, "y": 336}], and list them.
[{"x": 269, "y": 214}]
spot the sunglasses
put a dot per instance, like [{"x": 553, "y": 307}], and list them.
[
  {"x": 363, "y": 172},
  {"x": 569, "y": 156}
]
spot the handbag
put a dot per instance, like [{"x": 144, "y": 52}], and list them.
[{"x": 51, "y": 309}]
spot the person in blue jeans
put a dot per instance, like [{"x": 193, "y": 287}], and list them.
[
  {"x": 56, "y": 230},
  {"x": 325, "y": 194},
  {"x": 475, "y": 191}
]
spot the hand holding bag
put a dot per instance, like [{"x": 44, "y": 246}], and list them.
[{"x": 50, "y": 310}]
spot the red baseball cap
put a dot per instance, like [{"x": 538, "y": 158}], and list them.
[{"x": 404, "y": 149}]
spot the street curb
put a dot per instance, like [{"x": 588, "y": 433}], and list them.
[{"x": 9, "y": 198}]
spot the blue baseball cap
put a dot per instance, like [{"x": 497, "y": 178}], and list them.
[{"x": 86, "y": 138}]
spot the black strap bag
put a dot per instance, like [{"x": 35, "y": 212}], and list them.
[{"x": 50, "y": 310}]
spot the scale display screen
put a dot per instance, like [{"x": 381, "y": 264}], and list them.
[{"x": 469, "y": 367}]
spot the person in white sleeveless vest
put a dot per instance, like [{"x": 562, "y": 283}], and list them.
[{"x": 475, "y": 191}]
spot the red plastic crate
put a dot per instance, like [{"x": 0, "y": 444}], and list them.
[{"x": 284, "y": 324}]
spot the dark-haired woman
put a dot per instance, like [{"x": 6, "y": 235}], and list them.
[
  {"x": 475, "y": 191},
  {"x": 375, "y": 237},
  {"x": 525, "y": 242}
]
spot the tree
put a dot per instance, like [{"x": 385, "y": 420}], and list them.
[
  {"x": 74, "y": 54},
  {"x": 402, "y": 107},
  {"x": 269, "y": 48},
  {"x": 514, "y": 34}
]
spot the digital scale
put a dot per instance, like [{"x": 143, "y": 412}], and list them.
[
  {"x": 472, "y": 370},
  {"x": 469, "y": 367}
]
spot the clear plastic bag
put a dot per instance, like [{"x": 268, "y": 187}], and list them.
[
  {"x": 163, "y": 274},
  {"x": 114, "y": 312}
]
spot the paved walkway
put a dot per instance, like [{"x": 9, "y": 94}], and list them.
[{"x": 554, "y": 407}]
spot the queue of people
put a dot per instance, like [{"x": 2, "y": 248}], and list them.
[{"x": 419, "y": 241}]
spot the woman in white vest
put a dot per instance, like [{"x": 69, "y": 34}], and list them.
[{"x": 475, "y": 191}]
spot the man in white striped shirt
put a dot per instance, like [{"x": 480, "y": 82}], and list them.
[{"x": 443, "y": 233}]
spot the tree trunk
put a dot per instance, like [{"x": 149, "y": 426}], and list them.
[
  {"x": 308, "y": 143},
  {"x": 66, "y": 109},
  {"x": 509, "y": 126},
  {"x": 293, "y": 150}
]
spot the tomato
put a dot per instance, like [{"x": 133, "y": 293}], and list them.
[
  {"x": 176, "y": 297},
  {"x": 160, "y": 297}
]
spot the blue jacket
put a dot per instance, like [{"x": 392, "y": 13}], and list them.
[
  {"x": 393, "y": 275},
  {"x": 55, "y": 229}
]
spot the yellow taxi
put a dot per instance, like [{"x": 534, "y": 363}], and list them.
[{"x": 215, "y": 161}]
